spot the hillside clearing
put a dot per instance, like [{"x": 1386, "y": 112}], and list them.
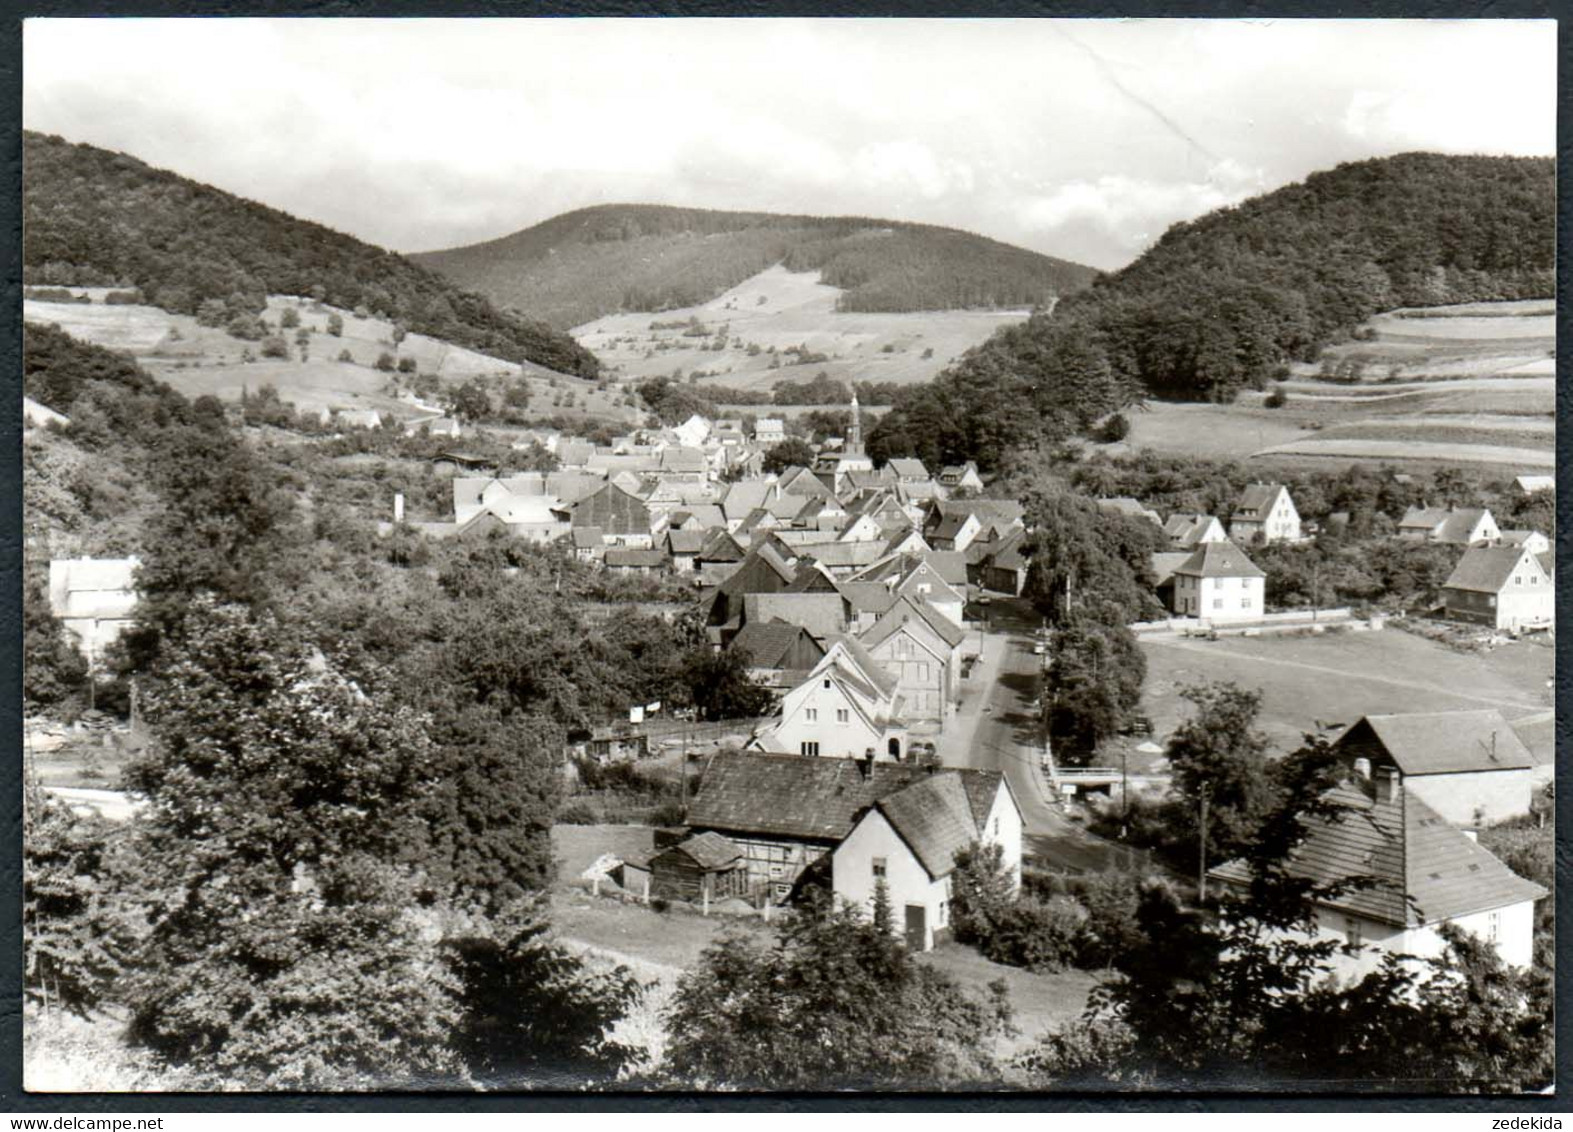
[
  {"x": 198, "y": 360},
  {"x": 779, "y": 309}
]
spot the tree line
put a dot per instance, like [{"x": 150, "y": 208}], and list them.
[
  {"x": 1227, "y": 301},
  {"x": 91, "y": 214}
]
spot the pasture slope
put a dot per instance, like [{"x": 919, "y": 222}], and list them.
[
  {"x": 1472, "y": 386},
  {"x": 197, "y": 360},
  {"x": 779, "y": 309}
]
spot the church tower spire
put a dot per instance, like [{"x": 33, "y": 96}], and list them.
[{"x": 855, "y": 432}]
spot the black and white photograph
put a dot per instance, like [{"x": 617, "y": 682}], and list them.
[{"x": 663, "y": 556}]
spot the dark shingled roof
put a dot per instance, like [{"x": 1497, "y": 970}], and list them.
[
  {"x": 1257, "y": 500},
  {"x": 768, "y": 642},
  {"x": 1486, "y": 569},
  {"x": 1442, "y": 742},
  {"x": 910, "y": 609},
  {"x": 1219, "y": 560},
  {"x": 686, "y": 542},
  {"x": 708, "y": 850},
  {"x": 934, "y": 817},
  {"x": 620, "y": 556},
  {"x": 1413, "y": 866},
  {"x": 812, "y": 799}
]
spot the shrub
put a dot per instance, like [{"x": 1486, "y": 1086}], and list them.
[
  {"x": 335, "y": 325},
  {"x": 578, "y": 812},
  {"x": 290, "y": 319},
  {"x": 123, "y": 298},
  {"x": 1115, "y": 429},
  {"x": 385, "y": 362},
  {"x": 406, "y": 365},
  {"x": 346, "y": 356},
  {"x": 1277, "y": 399},
  {"x": 246, "y": 326},
  {"x": 275, "y": 347}
]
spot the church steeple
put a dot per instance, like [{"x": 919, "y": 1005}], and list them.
[{"x": 855, "y": 431}]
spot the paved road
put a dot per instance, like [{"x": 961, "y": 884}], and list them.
[{"x": 997, "y": 729}]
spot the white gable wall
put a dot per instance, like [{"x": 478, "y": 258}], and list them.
[
  {"x": 1474, "y": 798},
  {"x": 906, "y": 880}
]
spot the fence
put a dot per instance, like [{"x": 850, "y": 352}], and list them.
[{"x": 1267, "y": 622}]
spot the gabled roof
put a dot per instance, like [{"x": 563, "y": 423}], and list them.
[
  {"x": 807, "y": 798},
  {"x": 1413, "y": 866},
  {"x": 1187, "y": 530},
  {"x": 935, "y": 820},
  {"x": 1487, "y": 569},
  {"x": 586, "y": 538},
  {"x": 1450, "y": 524},
  {"x": 1532, "y": 484},
  {"x": 721, "y": 546},
  {"x": 769, "y": 643},
  {"x": 745, "y": 495},
  {"x": 1164, "y": 564},
  {"x": 708, "y": 850},
  {"x": 868, "y": 597},
  {"x": 862, "y": 660},
  {"x": 1008, "y": 553},
  {"x": 1219, "y": 560},
  {"x": 685, "y": 542},
  {"x": 908, "y": 467},
  {"x": 1442, "y": 742},
  {"x": 907, "y": 609},
  {"x": 1257, "y": 500},
  {"x": 822, "y": 614},
  {"x": 706, "y": 515}
]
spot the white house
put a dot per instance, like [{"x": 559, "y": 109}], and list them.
[
  {"x": 95, "y": 598},
  {"x": 1462, "y": 526},
  {"x": 1468, "y": 766},
  {"x": 1532, "y": 541},
  {"x": 1501, "y": 586},
  {"x": 1265, "y": 509},
  {"x": 1219, "y": 583},
  {"x": 1409, "y": 872},
  {"x": 1187, "y": 532},
  {"x": 922, "y": 650},
  {"x": 1530, "y": 485},
  {"x": 693, "y": 432},
  {"x": 909, "y": 840},
  {"x": 769, "y": 430},
  {"x": 848, "y": 707}
]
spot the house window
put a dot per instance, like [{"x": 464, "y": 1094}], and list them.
[
  {"x": 777, "y": 870},
  {"x": 996, "y": 827},
  {"x": 811, "y": 714},
  {"x": 841, "y": 715},
  {"x": 1352, "y": 931},
  {"x": 879, "y": 868},
  {"x": 1518, "y": 579},
  {"x": 1245, "y": 603},
  {"x": 944, "y": 912},
  {"x": 1217, "y": 603},
  {"x": 810, "y": 749},
  {"x": 1493, "y": 926}
]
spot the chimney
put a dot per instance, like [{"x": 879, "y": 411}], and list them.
[
  {"x": 398, "y": 507},
  {"x": 866, "y": 763},
  {"x": 1387, "y": 784}
]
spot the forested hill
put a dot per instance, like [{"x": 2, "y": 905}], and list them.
[
  {"x": 621, "y": 257},
  {"x": 95, "y": 217},
  {"x": 1226, "y": 301}
]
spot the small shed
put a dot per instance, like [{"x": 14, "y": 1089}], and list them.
[{"x": 703, "y": 868}]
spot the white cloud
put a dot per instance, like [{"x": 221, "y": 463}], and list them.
[
  {"x": 1134, "y": 210},
  {"x": 909, "y": 166}
]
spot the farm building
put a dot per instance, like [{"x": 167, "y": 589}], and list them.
[
  {"x": 1423, "y": 872},
  {"x": 623, "y": 519},
  {"x": 780, "y": 654},
  {"x": 960, "y": 477},
  {"x": 790, "y": 817},
  {"x": 1501, "y": 586},
  {"x": 1531, "y": 485},
  {"x": 1468, "y": 766},
  {"x": 1219, "y": 583},
  {"x": 703, "y": 868},
  {"x": 848, "y": 707},
  {"x": 1532, "y": 541},
  {"x": 1266, "y": 511}
]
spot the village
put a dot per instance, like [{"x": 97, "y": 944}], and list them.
[{"x": 883, "y": 609}]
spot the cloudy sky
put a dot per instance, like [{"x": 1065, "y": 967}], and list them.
[{"x": 1079, "y": 138}]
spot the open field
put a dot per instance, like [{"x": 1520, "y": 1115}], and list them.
[
  {"x": 1474, "y": 388},
  {"x": 781, "y": 309},
  {"x": 1338, "y": 677},
  {"x": 199, "y": 360}
]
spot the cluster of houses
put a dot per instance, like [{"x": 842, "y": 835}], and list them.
[{"x": 1503, "y": 579}]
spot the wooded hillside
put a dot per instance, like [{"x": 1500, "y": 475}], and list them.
[
  {"x": 95, "y": 217},
  {"x": 597, "y": 261},
  {"x": 1226, "y": 301}
]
